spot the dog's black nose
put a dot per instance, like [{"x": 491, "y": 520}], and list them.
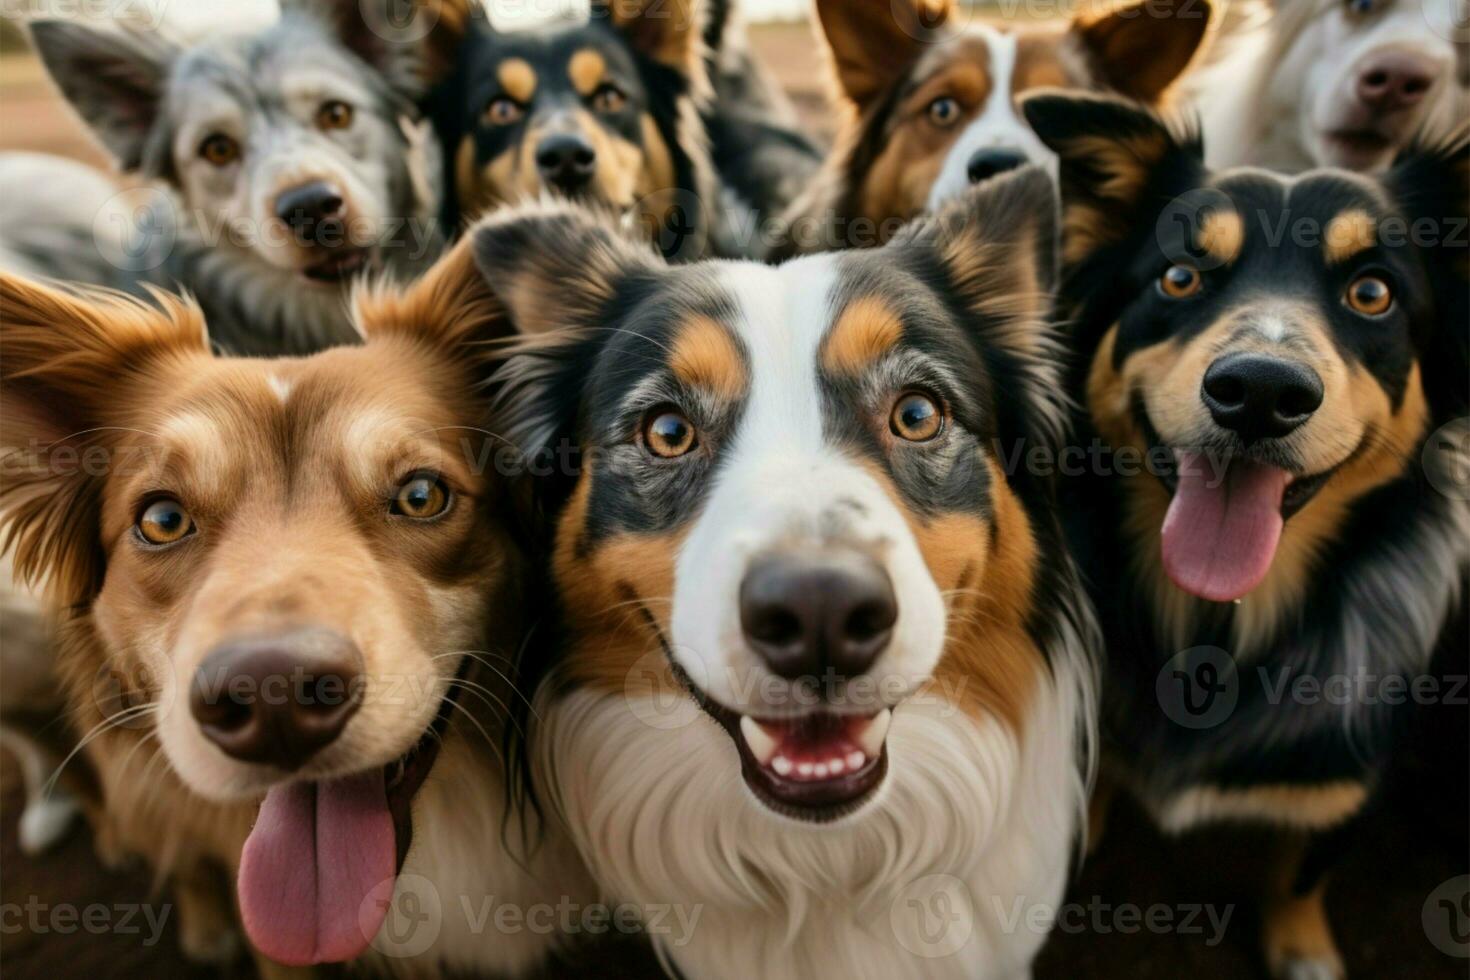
[
  {"x": 986, "y": 163},
  {"x": 807, "y": 614},
  {"x": 309, "y": 209},
  {"x": 1260, "y": 397},
  {"x": 278, "y": 699},
  {"x": 566, "y": 161}
]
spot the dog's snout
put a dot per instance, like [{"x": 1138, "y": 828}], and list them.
[
  {"x": 810, "y": 614},
  {"x": 1394, "y": 80},
  {"x": 1260, "y": 397},
  {"x": 278, "y": 699},
  {"x": 986, "y": 163},
  {"x": 566, "y": 161},
  {"x": 308, "y": 208}
]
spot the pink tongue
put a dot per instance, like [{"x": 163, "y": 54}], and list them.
[
  {"x": 316, "y": 855},
  {"x": 1221, "y": 534}
]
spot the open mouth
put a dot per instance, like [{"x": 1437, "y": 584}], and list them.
[
  {"x": 337, "y": 265},
  {"x": 317, "y": 871},
  {"x": 816, "y": 767},
  {"x": 1359, "y": 144},
  {"x": 1225, "y": 517}
]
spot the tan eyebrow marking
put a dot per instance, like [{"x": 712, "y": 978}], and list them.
[
  {"x": 1222, "y": 235},
  {"x": 705, "y": 356},
  {"x": 586, "y": 70},
  {"x": 866, "y": 329},
  {"x": 518, "y": 79},
  {"x": 1348, "y": 234}
]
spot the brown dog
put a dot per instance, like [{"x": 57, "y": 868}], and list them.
[{"x": 284, "y": 580}]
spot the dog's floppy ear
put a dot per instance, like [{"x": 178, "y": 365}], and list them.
[
  {"x": 1141, "y": 48},
  {"x": 413, "y": 44},
  {"x": 873, "y": 42},
  {"x": 1118, "y": 165},
  {"x": 115, "y": 80},
  {"x": 1430, "y": 182},
  {"x": 667, "y": 32},
  {"x": 69, "y": 357}
]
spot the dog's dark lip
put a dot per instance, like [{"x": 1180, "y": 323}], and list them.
[
  {"x": 820, "y": 801},
  {"x": 338, "y": 265},
  {"x": 405, "y": 776},
  {"x": 1298, "y": 493}
]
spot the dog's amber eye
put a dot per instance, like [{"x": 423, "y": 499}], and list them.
[
  {"x": 334, "y": 115},
  {"x": 916, "y": 417},
  {"x": 609, "y": 98},
  {"x": 667, "y": 433},
  {"x": 503, "y": 111},
  {"x": 1180, "y": 282},
  {"x": 219, "y": 149},
  {"x": 1369, "y": 295},
  {"x": 421, "y": 497},
  {"x": 944, "y": 110},
  {"x": 164, "y": 522}
]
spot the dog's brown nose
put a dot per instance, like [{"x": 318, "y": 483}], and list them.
[
  {"x": 1395, "y": 80},
  {"x": 278, "y": 699},
  {"x": 808, "y": 614}
]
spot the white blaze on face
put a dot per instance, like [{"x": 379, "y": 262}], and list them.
[
  {"x": 998, "y": 126},
  {"x": 781, "y": 483}
]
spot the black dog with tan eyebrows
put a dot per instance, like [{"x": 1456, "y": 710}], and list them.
[{"x": 1279, "y": 351}]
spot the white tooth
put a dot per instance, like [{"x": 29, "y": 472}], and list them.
[
  {"x": 804, "y": 769},
  {"x": 821, "y": 770},
  {"x": 782, "y": 765},
  {"x": 836, "y": 767},
  {"x": 871, "y": 740},
  {"x": 855, "y": 760},
  {"x": 762, "y": 745}
]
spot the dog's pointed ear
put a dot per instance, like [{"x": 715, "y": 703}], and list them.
[
  {"x": 71, "y": 360},
  {"x": 412, "y": 44},
  {"x": 1140, "y": 49},
  {"x": 873, "y": 43},
  {"x": 1430, "y": 183},
  {"x": 1117, "y": 164},
  {"x": 667, "y": 32},
  {"x": 115, "y": 80},
  {"x": 556, "y": 266}
]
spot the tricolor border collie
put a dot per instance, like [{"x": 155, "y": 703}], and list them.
[
  {"x": 928, "y": 101},
  {"x": 1287, "y": 353},
  {"x": 823, "y": 657}
]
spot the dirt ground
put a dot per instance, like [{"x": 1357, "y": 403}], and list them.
[{"x": 1378, "y": 896}]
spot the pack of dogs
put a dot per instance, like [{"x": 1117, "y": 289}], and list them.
[{"x": 501, "y": 517}]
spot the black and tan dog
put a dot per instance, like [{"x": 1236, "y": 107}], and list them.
[
  {"x": 1275, "y": 353},
  {"x": 609, "y": 109}
]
